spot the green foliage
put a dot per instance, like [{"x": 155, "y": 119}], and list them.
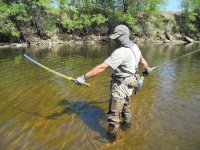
[
  {"x": 18, "y": 59},
  {"x": 10, "y": 13},
  {"x": 128, "y": 19},
  {"x": 46, "y": 17},
  {"x": 143, "y": 11},
  {"x": 78, "y": 20},
  {"x": 50, "y": 26},
  {"x": 6, "y": 25},
  {"x": 74, "y": 15},
  {"x": 190, "y": 16}
]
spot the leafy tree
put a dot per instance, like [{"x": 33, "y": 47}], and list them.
[
  {"x": 21, "y": 19},
  {"x": 138, "y": 13},
  {"x": 189, "y": 22},
  {"x": 10, "y": 14}
]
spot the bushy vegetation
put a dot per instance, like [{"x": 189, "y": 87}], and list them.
[
  {"x": 189, "y": 21},
  {"x": 25, "y": 19}
]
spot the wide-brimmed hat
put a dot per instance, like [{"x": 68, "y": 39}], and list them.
[{"x": 118, "y": 31}]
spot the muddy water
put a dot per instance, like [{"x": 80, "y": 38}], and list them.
[{"x": 40, "y": 110}]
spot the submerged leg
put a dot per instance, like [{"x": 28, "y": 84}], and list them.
[
  {"x": 115, "y": 108},
  {"x": 126, "y": 112}
]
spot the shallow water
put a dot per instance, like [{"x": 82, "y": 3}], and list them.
[{"x": 40, "y": 110}]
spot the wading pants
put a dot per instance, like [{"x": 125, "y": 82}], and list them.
[{"x": 119, "y": 105}]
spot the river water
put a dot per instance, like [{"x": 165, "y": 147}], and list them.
[{"x": 40, "y": 110}]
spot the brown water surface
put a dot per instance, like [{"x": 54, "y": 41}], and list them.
[{"x": 40, "y": 110}]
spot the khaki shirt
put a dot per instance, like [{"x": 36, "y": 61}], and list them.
[{"x": 124, "y": 62}]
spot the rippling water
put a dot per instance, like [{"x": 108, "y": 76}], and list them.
[{"x": 40, "y": 110}]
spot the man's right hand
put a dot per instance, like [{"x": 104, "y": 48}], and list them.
[{"x": 148, "y": 71}]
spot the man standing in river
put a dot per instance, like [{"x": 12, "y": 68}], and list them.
[{"x": 124, "y": 61}]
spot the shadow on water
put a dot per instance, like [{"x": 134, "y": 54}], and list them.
[{"x": 89, "y": 112}]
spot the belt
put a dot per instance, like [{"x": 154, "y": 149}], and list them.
[{"x": 124, "y": 80}]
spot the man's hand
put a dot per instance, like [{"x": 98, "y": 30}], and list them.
[
  {"x": 81, "y": 80},
  {"x": 148, "y": 71}
]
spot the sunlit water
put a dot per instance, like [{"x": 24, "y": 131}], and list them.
[{"x": 40, "y": 110}]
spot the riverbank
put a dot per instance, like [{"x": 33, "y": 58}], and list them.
[{"x": 164, "y": 38}]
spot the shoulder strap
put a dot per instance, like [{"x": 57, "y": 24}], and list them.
[
  {"x": 135, "y": 57},
  {"x": 135, "y": 66}
]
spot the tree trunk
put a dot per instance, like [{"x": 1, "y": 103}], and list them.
[{"x": 125, "y": 6}]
